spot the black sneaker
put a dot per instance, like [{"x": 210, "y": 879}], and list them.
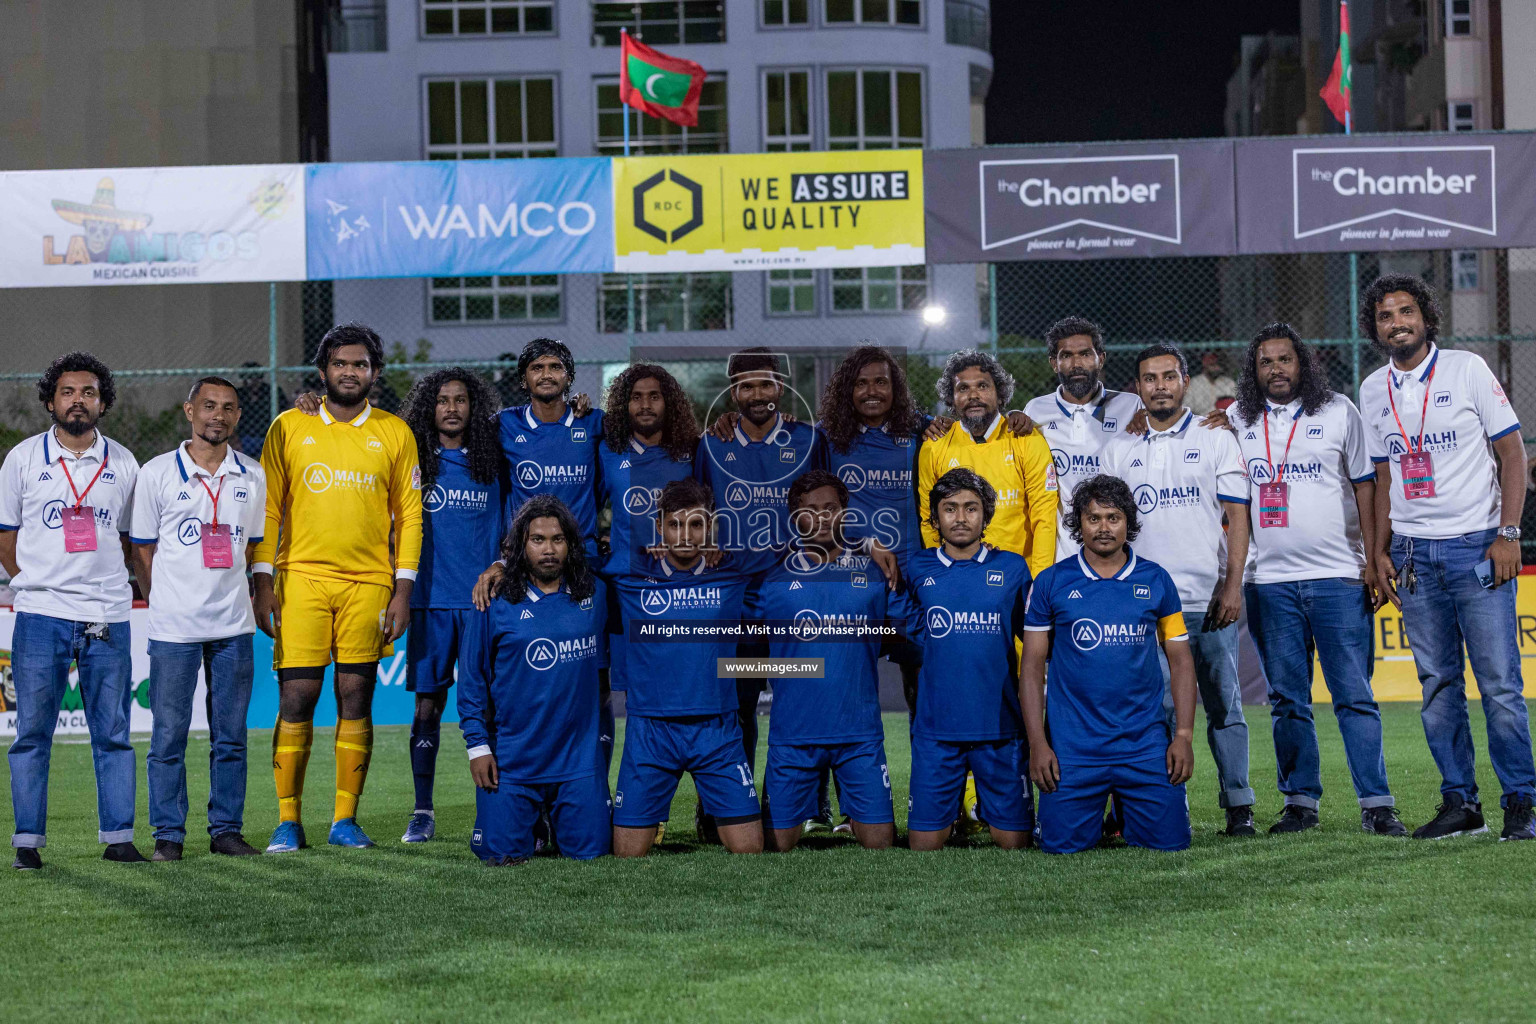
[
  {"x": 124, "y": 853},
  {"x": 1455, "y": 817},
  {"x": 27, "y": 859},
  {"x": 165, "y": 850},
  {"x": 1381, "y": 821},
  {"x": 232, "y": 844},
  {"x": 1240, "y": 821},
  {"x": 1294, "y": 818},
  {"x": 505, "y": 862},
  {"x": 705, "y": 827},
  {"x": 1518, "y": 821}
]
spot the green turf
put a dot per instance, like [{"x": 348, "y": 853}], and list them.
[{"x": 1331, "y": 925}]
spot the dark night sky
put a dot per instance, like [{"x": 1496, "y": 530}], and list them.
[{"x": 1085, "y": 70}]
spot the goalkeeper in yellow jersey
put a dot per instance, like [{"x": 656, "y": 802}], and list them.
[{"x": 327, "y": 589}]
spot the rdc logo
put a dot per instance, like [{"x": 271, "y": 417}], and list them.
[
  {"x": 53, "y": 514},
  {"x": 541, "y": 654},
  {"x": 190, "y": 531},
  {"x": 530, "y": 473},
  {"x": 807, "y": 623},
  {"x": 940, "y": 621},
  {"x": 640, "y": 501},
  {"x": 1087, "y": 634},
  {"x": 1146, "y": 499},
  {"x": 1396, "y": 446},
  {"x": 435, "y": 499},
  {"x": 737, "y": 496},
  {"x": 1063, "y": 464},
  {"x": 852, "y": 476},
  {"x": 1258, "y": 470},
  {"x": 317, "y": 477},
  {"x": 655, "y": 602}
]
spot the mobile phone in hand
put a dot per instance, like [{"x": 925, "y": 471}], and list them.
[{"x": 1484, "y": 570}]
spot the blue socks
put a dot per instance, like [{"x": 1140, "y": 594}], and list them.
[{"x": 424, "y": 738}]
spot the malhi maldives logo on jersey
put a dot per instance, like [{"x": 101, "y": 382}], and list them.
[
  {"x": 543, "y": 654},
  {"x": 319, "y": 478},
  {"x": 1088, "y": 634},
  {"x": 661, "y": 601},
  {"x": 942, "y": 622}
]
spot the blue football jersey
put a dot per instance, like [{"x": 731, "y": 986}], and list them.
[
  {"x": 880, "y": 472},
  {"x": 462, "y": 525},
  {"x": 750, "y": 480},
  {"x": 1104, "y": 704},
  {"x": 664, "y": 677},
  {"x": 528, "y": 688},
  {"x": 972, "y": 611},
  {"x": 555, "y": 458},
  {"x": 844, "y": 705},
  {"x": 630, "y": 482}
]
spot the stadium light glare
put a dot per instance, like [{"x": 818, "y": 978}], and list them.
[{"x": 934, "y": 315}]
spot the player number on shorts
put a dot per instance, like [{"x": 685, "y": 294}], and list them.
[{"x": 746, "y": 774}]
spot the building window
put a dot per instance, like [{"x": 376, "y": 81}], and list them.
[
  {"x": 659, "y": 24},
  {"x": 874, "y": 108},
  {"x": 967, "y": 23},
  {"x": 1465, "y": 271},
  {"x": 655, "y": 135},
  {"x": 1458, "y": 17},
  {"x": 667, "y": 302},
  {"x": 879, "y": 289},
  {"x": 786, "y": 13},
  {"x": 487, "y": 17},
  {"x": 1460, "y": 117},
  {"x": 490, "y": 118},
  {"x": 786, "y": 111},
  {"x": 791, "y": 292},
  {"x": 515, "y": 298},
  {"x": 873, "y": 12}
]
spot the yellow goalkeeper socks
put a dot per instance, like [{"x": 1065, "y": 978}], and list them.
[
  {"x": 290, "y": 756},
  {"x": 354, "y": 747}
]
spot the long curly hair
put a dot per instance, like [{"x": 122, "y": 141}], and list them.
[
  {"x": 516, "y": 580},
  {"x": 1311, "y": 381},
  {"x": 1385, "y": 285},
  {"x": 1109, "y": 491},
  {"x": 679, "y": 432},
  {"x": 840, "y": 420},
  {"x": 481, "y": 440}
]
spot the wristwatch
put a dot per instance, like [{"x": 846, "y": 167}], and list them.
[{"x": 1510, "y": 532}]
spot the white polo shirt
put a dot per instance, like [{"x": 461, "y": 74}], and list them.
[
  {"x": 189, "y": 603},
  {"x": 1077, "y": 435},
  {"x": 1327, "y": 458},
  {"x": 1467, "y": 409},
  {"x": 1180, "y": 477},
  {"x": 87, "y": 586}
]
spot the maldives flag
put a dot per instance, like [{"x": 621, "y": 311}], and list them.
[
  {"x": 1336, "y": 91},
  {"x": 656, "y": 84}
]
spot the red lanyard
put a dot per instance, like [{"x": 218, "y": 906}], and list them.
[
  {"x": 80, "y": 495},
  {"x": 1269, "y": 456},
  {"x": 214, "y": 497},
  {"x": 1423, "y": 413}
]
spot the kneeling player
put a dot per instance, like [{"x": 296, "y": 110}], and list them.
[
  {"x": 1109, "y": 611},
  {"x": 682, "y": 715},
  {"x": 971, "y": 597},
  {"x": 833, "y": 721},
  {"x": 528, "y": 694}
]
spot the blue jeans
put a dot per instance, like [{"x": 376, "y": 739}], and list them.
[
  {"x": 42, "y": 648},
  {"x": 1334, "y": 615},
  {"x": 1221, "y": 692},
  {"x": 1447, "y": 609},
  {"x": 229, "y": 666}
]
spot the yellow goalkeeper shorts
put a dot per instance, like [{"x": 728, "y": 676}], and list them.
[{"x": 325, "y": 620}]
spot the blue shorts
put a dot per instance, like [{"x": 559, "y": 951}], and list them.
[
  {"x": 793, "y": 775},
  {"x": 656, "y": 753},
  {"x": 1156, "y": 813},
  {"x": 938, "y": 778},
  {"x": 578, "y": 816},
  {"x": 432, "y": 647}
]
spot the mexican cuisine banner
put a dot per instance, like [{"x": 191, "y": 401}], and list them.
[
  {"x": 152, "y": 225},
  {"x": 769, "y": 210}
]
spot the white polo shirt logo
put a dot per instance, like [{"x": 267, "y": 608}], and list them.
[{"x": 190, "y": 532}]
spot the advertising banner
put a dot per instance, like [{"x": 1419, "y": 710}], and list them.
[
  {"x": 152, "y": 225},
  {"x": 1383, "y": 192},
  {"x": 769, "y": 210},
  {"x": 1090, "y": 201},
  {"x": 446, "y": 218}
]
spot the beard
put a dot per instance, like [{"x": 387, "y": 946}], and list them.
[
  {"x": 546, "y": 574},
  {"x": 76, "y": 428},
  {"x": 975, "y": 423},
  {"x": 1080, "y": 385}
]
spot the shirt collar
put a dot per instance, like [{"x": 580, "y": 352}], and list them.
[
  {"x": 1173, "y": 431},
  {"x": 1124, "y": 573},
  {"x": 535, "y": 594},
  {"x": 189, "y": 468},
  {"x": 52, "y": 449},
  {"x": 946, "y": 561},
  {"x": 1291, "y": 408},
  {"x": 743, "y": 440},
  {"x": 362, "y": 417},
  {"x": 669, "y": 572},
  {"x": 1425, "y": 368},
  {"x": 885, "y": 428},
  {"x": 636, "y": 445},
  {"x": 534, "y": 422},
  {"x": 987, "y": 435},
  {"x": 1094, "y": 406}
]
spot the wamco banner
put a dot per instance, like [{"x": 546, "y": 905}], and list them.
[
  {"x": 152, "y": 225},
  {"x": 1090, "y": 201},
  {"x": 768, "y": 210},
  {"x": 1382, "y": 192},
  {"x": 446, "y": 218}
]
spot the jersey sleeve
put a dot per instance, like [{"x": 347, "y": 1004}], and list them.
[
  {"x": 276, "y": 471},
  {"x": 820, "y": 454},
  {"x": 1231, "y": 475},
  {"x": 476, "y": 667},
  {"x": 1357, "y": 457},
  {"x": 903, "y": 611},
  {"x": 1489, "y": 399},
  {"x": 927, "y": 476},
  {"x": 256, "y": 511},
  {"x": 1042, "y": 496},
  {"x": 405, "y": 506},
  {"x": 144, "y": 525},
  {"x": 701, "y": 463},
  {"x": 1039, "y": 615},
  {"x": 11, "y": 485},
  {"x": 1375, "y": 446},
  {"x": 1169, "y": 609}
]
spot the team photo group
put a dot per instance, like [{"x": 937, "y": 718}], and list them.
[{"x": 1059, "y": 580}]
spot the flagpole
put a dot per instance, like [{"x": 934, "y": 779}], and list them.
[
  {"x": 629, "y": 279},
  {"x": 1354, "y": 257}
]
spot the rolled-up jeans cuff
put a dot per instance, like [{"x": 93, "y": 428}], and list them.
[
  {"x": 1301, "y": 801},
  {"x": 1236, "y": 798},
  {"x": 1367, "y": 802},
  {"x": 28, "y": 841},
  {"x": 122, "y": 835}
]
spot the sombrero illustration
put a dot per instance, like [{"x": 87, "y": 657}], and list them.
[{"x": 102, "y": 208}]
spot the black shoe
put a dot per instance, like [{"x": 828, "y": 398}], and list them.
[
  {"x": 27, "y": 859},
  {"x": 1381, "y": 821},
  {"x": 1294, "y": 818},
  {"x": 1110, "y": 833},
  {"x": 1454, "y": 817},
  {"x": 506, "y": 862},
  {"x": 705, "y": 827},
  {"x": 124, "y": 853},
  {"x": 1518, "y": 821},
  {"x": 1240, "y": 821},
  {"x": 232, "y": 844},
  {"x": 166, "y": 850}
]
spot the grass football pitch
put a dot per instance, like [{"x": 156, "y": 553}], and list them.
[{"x": 1326, "y": 926}]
